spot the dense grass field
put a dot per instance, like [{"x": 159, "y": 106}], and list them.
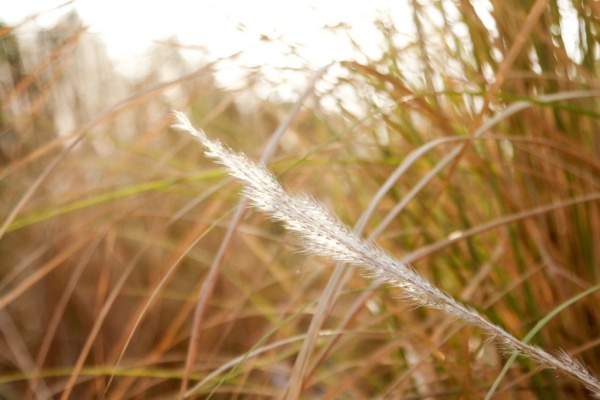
[{"x": 131, "y": 267}]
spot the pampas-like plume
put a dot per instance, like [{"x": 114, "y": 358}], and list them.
[{"x": 325, "y": 235}]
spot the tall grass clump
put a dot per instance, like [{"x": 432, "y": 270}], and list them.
[
  {"x": 455, "y": 161},
  {"x": 325, "y": 235}
]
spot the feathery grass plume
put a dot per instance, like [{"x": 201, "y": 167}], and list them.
[{"x": 325, "y": 235}]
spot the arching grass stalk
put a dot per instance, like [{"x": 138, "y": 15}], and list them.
[{"x": 325, "y": 235}]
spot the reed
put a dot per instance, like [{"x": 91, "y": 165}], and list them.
[{"x": 323, "y": 234}]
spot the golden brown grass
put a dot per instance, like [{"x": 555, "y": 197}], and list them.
[{"x": 131, "y": 268}]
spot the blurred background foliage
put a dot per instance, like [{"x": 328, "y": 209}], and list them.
[{"x": 112, "y": 221}]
